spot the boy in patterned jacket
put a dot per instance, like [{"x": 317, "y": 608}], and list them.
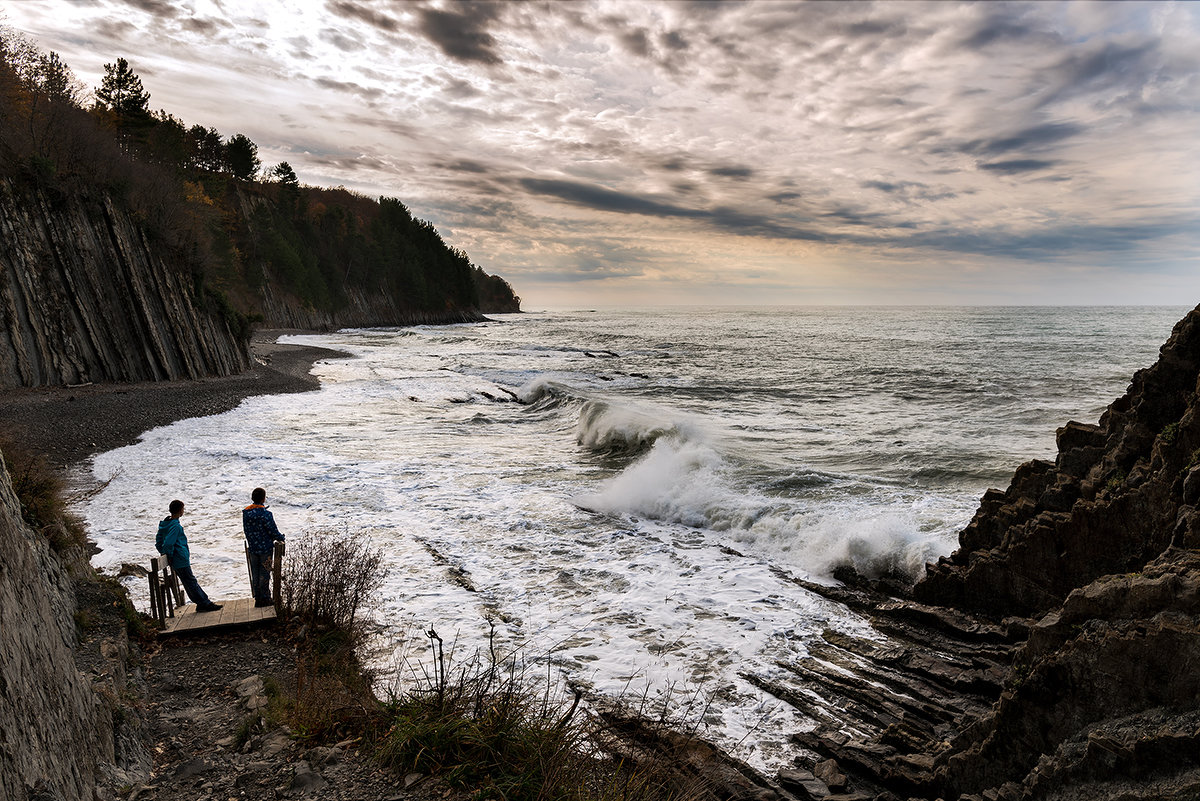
[{"x": 258, "y": 524}]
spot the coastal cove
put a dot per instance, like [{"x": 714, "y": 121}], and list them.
[{"x": 635, "y": 497}]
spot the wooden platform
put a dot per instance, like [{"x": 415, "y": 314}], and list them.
[{"x": 236, "y": 612}]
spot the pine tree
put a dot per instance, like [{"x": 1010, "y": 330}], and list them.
[
  {"x": 121, "y": 92},
  {"x": 243, "y": 157}
]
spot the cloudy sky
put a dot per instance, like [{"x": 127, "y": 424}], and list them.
[{"x": 599, "y": 153}]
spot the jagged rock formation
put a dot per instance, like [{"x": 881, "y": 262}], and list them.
[
  {"x": 84, "y": 296},
  {"x": 1117, "y": 495},
  {"x": 58, "y": 726},
  {"x": 360, "y": 311},
  {"x": 1068, "y": 669}
]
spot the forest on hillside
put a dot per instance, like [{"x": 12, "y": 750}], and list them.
[{"x": 208, "y": 199}]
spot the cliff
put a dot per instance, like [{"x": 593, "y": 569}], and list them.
[
  {"x": 63, "y": 728},
  {"x": 1116, "y": 496},
  {"x": 1053, "y": 655},
  {"x": 86, "y": 296}
]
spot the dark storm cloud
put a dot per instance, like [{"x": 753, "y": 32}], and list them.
[
  {"x": 348, "y": 87},
  {"x": 726, "y": 219},
  {"x": 464, "y": 165},
  {"x": 156, "y": 8},
  {"x": 362, "y": 13},
  {"x": 673, "y": 40},
  {"x": 636, "y": 42},
  {"x": 1033, "y": 137},
  {"x": 909, "y": 190},
  {"x": 462, "y": 34},
  {"x": 1110, "y": 68},
  {"x": 340, "y": 40},
  {"x": 601, "y": 199},
  {"x": 1051, "y": 243},
  {"x": 205, "y": 26},
  {"x": 1015, "y": 166},
  {"x": 732, "y": 172},
  {"x": 350, "y": 164},
  {"x": 115, "y": 28},
  {"x": 998, "y": 28}
]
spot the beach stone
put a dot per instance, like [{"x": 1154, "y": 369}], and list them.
[
  {"x": 827, "y": 771},
  {"x": 305, "y": 779},
  {"x": 323, "y": 755},
  {"x": 275, "y": 743},
  {"x": 804, "y": 784},
  {"x": 196, "y": 767}
]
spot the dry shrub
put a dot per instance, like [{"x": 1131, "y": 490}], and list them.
[
  {"x": 330, "y": 577},
  {"x": 489, "y": 726},
  {"x": 40, "y": 490}
]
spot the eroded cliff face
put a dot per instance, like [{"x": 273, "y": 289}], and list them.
[
  {"x": 58, "y": 733},
  {"x": 84, "y": 296},
  {"x": 362, "y": 310},
  {"x": 1117, "y": 495},
  {"x": 1055, "y": 654}
]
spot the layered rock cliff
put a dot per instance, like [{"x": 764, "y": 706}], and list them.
[
  {"x": 60, "y": 728},
  {"x": 1116, "y": 496},
  {"x": 1054, "y": 655},
  {"x": 85, "y": 296}
]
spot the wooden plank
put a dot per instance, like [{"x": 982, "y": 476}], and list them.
[{"x": 233, "y": 612}]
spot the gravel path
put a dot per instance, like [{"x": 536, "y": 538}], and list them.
[{"x": 201, "y": 689}]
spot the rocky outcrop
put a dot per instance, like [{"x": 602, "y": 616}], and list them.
[
  {"x": 1053, "y": 656},
  {"x": 1117, "y": 495},
  {"x": 85, "y": 296},
  {"x": 361, "y": 310},
  {"x": 60, "y": 728}
]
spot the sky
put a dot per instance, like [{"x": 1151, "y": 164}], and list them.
[{"x": 635, "y": 153}]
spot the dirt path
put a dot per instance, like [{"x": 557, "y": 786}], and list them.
[{"x": 205, "y": 692}]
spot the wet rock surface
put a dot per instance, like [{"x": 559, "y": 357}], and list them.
[{"x": 1055, "y": 654}]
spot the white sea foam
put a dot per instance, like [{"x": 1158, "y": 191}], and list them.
[{"x": 634, "y": 521}]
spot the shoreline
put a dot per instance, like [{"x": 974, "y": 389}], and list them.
[{"x": 69, "y": 425}]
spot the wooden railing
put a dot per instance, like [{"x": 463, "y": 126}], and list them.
[{"x": 165, "y": 592}]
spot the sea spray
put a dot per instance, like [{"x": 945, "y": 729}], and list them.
[{"x": 767, "y": 445}]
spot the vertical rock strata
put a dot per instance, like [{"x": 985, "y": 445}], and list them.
[
  {"x": 1056, "y": 653},
  {"x": 84, "y": 296},
  {"x": 52, "y": 727},
  {"x": 1117, "y": 495}
]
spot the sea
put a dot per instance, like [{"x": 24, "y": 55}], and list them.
[{"x": 625, "y": 498}]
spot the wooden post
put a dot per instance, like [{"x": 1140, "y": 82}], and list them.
[
  {"x": 249, "y": 568},
  {"x": 155, "y": 604},
  {"x": 165, "y": 594},
  {"x": 276, "y": 577}
]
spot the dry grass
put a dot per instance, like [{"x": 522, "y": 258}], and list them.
[
  {"x": 490, "y": 726},
  {"x": 41, "y": 492}
]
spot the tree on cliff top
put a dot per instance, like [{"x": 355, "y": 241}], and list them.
[
  {"x": 122, "y": 93},
  {"x": 243, "y": 157},
  {"x": 122, "y": 96}
]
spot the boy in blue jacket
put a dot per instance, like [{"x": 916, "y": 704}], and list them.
[
  {"x": 172, "y": 543},
  {"x": 258, "y": 524}
]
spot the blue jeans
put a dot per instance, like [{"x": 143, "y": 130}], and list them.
[
  {"x": 260, "y": 575},
  {"x": 192, "y": 587}
]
